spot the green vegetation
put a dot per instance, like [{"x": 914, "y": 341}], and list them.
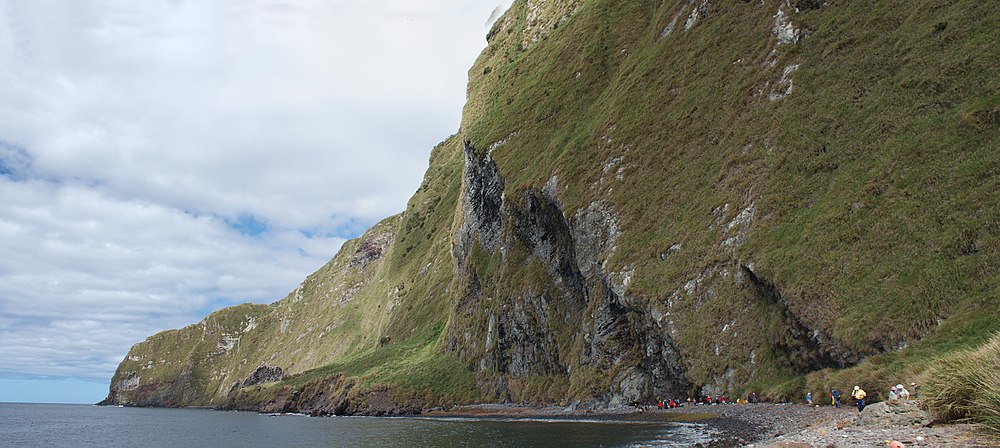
[
  {"x": 868, "y": 181},
  {"x": 865, "y": 200},
  {"x": 415, "y": 368},
  {"x": 965, "y": 386},
  {"x": 880, "y": 372}
]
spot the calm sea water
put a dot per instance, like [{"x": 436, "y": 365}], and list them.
[{"x": 57, "y": 425}]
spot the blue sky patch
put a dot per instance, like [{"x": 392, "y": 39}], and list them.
[
  {"x": 247, "y": 225},
  {"x": 347, "y": 229},
  {"x": 352, "y": 228},
  {"x": 52, "y": 390},
  {"x": 14, "y": 160}
]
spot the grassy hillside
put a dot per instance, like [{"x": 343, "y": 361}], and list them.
[
  {"x": 375, "y": 311},
  {"x": 869, "y": 194},
  {"x": 696, "y": 196}
]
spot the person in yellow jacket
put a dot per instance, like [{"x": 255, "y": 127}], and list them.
[{"x": 858, "y": 394}]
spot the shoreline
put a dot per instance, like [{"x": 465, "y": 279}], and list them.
[
  {"x": 734, "y": 424},
  {"x": 758, "y": 425},
  {"x": 765, "y": 425}
]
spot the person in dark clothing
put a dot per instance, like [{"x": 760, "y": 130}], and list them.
[{"x": 835, "y": 397}]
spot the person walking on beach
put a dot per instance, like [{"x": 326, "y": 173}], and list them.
[
  {"x": 809, "y": 398},
  {"x": 859, "y": 397},
  {"x": 835, "y": 397}
]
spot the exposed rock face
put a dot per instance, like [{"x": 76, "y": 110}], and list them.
[
  {"x": 575, "y": 308},
  {"x": 264, "y": 374},
  {"x": 370, "y": 250},
  {"x": 784, "y": 85},
  {"x": 543, "y": 16},
  {"x": 665, "y": 32},
  {"x": 595, "y": 230},
  {"x": 697, "y": 12},
  {"x": 784, "y": 31},
  {"x": 481, "y": 200},
  {"x": 332, "y": 396},
  {"x": 118, "y": 389}
]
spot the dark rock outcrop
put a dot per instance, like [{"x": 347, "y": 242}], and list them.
[
  {"x": 481, "y": 200},
  {"x": 263, "y": 374},
  {"x": 570, "y": 306}
]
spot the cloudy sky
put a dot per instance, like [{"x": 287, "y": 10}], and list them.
[{"x": 161, "y": 159}]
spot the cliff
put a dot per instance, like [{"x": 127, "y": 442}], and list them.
[{"x": 647, "y": 199}]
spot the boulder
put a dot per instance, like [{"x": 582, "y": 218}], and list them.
[{"x": 894, "y": 413}]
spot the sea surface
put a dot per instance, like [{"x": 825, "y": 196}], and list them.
[{"x": 69, "y": 425}]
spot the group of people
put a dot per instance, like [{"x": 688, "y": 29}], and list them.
[
  {"x": 669, "y": 404},
  {"x": 706, "y": 400},
  {"x": 859, "y": 395},
  {"x": 898, "y": 392}
]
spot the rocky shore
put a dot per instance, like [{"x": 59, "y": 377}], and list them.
[
  {"x": 766, "y": 425},
  {"x": 877, "y": 426}
]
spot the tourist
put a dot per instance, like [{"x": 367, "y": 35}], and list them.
[
  {"x": 809, "y": 398},
  {"x": 892, "y": 393},
  {"x": 902, "y": 392},
  {"x": 916, "y": 390},
  {"x": 835, "y": 397},
  {"x": 859, "y": 397}
]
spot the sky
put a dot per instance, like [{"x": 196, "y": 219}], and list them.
[{"x": 162, "y": 159}]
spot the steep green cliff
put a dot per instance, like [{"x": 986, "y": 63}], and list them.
[{"x": 653, "y": 198}]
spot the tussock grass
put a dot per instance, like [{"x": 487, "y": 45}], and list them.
[{"x": 965, "y": 386}]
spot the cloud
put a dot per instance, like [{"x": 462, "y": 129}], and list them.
[
  {"x": 85, "y": 274},
  {"x": 159, "y": 159}
]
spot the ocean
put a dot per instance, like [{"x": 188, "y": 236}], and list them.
[{"x": 68, "y": 425}]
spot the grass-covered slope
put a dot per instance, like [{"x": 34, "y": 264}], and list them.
[
  {"x": 853, "y": 167},
  {"x": 374, "y": 311},
  {"x": 664, "y": 197}
]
